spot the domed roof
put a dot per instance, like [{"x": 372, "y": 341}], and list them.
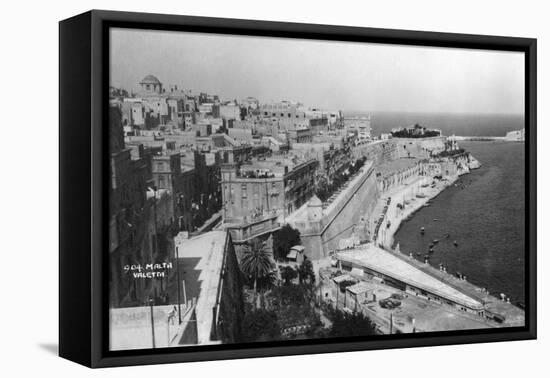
[{"x": 150, "y": 79}]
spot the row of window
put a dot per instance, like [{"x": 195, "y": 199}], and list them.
[{"x": 282, "y": 115}]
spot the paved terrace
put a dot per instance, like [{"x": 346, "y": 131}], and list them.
[
  {"x": 390, "y": 265},
  {"x": 201, "y": 262},
  {"x": 395, "y": 166}
]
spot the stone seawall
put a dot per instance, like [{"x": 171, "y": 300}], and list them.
[
  {"x": 321, "y": 234},
  {"x": 338, "y": 220},
  {"x": 419, "y": 147}
]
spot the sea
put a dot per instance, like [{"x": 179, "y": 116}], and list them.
[
  {"x": 484, "y": 212},
  {"x": 464, "y": 124}
]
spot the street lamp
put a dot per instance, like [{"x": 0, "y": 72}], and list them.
[
  {"x": 151, "y": 303},
  {"x": 178, "y": 276}
]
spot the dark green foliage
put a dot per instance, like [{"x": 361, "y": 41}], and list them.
[
  {"x": 260, "y": 325},
  {"x": 324, "y": 190},
  {"x": 291, "y": 295},
  {"x": 258, "y": 266},
  {"x": 286, "y": 238},
  {"x": 416, "y": 132},
  {"x": 447, "y": 153},
  {"x": 288, "y": 274},
  {"x": 306, "y": 272},
  {"x": 256, "y": 261},
  {"x": 293, "y": 306},
  {"x": 356, "y": 324},
  {"x": 267, "y": 281},
  {"x": 354, "y": 168}
]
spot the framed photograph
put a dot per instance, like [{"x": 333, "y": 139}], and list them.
[{"x": 235, "y": 188}]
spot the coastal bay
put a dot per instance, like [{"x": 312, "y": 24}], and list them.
[{"x": 484, "y": 213}]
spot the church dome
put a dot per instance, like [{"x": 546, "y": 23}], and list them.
[{"x": 150, "y": 79}]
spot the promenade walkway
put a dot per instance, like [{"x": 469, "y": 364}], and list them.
[{"x": 406, "y": 199}]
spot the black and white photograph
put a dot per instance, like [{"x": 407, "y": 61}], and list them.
[{"x": 267, "y": 189}]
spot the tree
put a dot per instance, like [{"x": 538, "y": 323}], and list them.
[
  {"x": 288, "y": 274},
  {"x": 268, "y": 281},
  {"x": 306, "y": 271},
  {"x": 260, "y": 325},
  {"x": 286, "y": 238},
  {"x": 292, "y": 295},
  {"x": 323, "y": 189},
  {"x": 256, "y": 262},
  {"x": 355, "y": 324}
]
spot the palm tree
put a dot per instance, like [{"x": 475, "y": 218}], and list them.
[{"x": 257, "y": 262}]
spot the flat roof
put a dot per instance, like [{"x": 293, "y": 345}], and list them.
[
  {"x": 342, "y": 278},
  {"x": 292, "y": 254},
  {"x": 359, "y": 288},
  {"x": 130, "y": 327},
  {"x": 386, "y": 263},
  {"x": 202, "y": 259},
  {"x": 298, "y": 248}
]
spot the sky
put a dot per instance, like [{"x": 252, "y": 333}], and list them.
[{"x": 332, "y": 75}]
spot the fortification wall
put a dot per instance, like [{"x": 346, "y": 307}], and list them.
[
  {"x": 340, "y": 218},
  {"x": 378, "y": 152},
  {"x": 360, "y": 204},
  {"x": 419, "y": 147}
]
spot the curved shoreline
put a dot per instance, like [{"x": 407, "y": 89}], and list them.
[
  {"x": 396, "y": 216},
  {"x": 417, "y": 210}
]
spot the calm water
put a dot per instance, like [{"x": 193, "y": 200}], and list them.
[
  {"x": 485, "y": 214},
  {"x": 449, "y": 124}
]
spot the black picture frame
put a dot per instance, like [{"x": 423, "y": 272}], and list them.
[{"x": 83, "y": 163}]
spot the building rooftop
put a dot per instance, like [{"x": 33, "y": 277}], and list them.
[
  {"x": 359, "y": 288},
  {"x": 273, "y": 165},
  {"x": 392, "y": 266},
  {"x": 201, "y": 262},
  {"x": 130, "y": 327}
]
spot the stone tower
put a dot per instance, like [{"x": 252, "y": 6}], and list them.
[{"x": 314, "y": 209}]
